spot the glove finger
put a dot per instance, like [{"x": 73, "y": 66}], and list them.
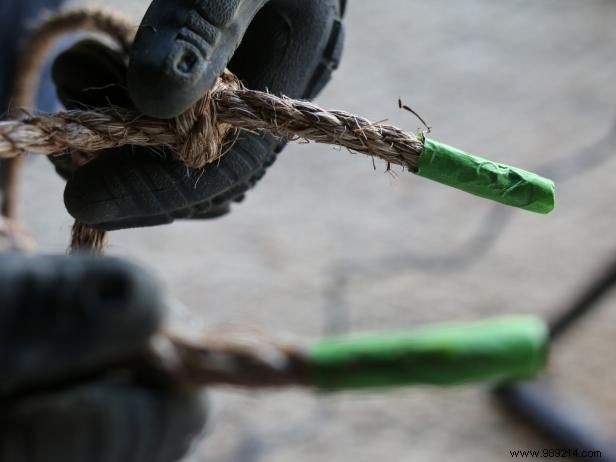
[
  {"x": 66, "y": 316},
  {"x": 102, "y": 422},
  {"x": 100, "y": 81},
  {"x": 291, "y": 47},
  {"x": 90, "y": 74},
  {"x": 181, "y": 49}
]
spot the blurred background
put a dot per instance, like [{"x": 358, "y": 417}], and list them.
[{"x": 327, "y": 245}]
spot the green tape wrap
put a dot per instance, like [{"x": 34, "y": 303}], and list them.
[
  {"x": 481, "y": 177},
  {"x": 485, "y": 351}
]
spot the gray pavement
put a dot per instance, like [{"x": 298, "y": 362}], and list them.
[{"x": 326, "y": 244}]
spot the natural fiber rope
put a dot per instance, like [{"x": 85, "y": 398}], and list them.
[
  {"x": 244, "y": 360},
  {"x": 196, "y": 138},
  {"x": 228, "y": 105}
]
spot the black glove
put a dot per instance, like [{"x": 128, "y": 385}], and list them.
[
  {"x": 72, "y": 331},
  {"x": 288, "y": 47}
]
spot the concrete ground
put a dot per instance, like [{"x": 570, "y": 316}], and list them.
[{"x": 326, "y": 244}]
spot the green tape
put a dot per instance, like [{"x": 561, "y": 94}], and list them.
[
  {"x": 481, "y": 177},
  {"x": 486, "y": 351}
]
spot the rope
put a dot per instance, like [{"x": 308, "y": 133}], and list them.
[
  {"x": 247, "y": 360},
  {"x": 491, "y": 350},
  {"x": 196, "y": 138}
]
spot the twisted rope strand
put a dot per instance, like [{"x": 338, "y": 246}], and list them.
[
  {"x": 92, "y": 131},
  {"x": 297, "y": 120},
  {"x": 245, "y": 361}
]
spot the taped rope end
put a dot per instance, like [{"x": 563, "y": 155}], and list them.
[
  {"x": 492, "y": 350},
  {"x": 481, "y": 177}
]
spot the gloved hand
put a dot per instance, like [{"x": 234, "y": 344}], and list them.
[
  {"x": 72, "y": 331},
  {"x": 287, "y": 47}
]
